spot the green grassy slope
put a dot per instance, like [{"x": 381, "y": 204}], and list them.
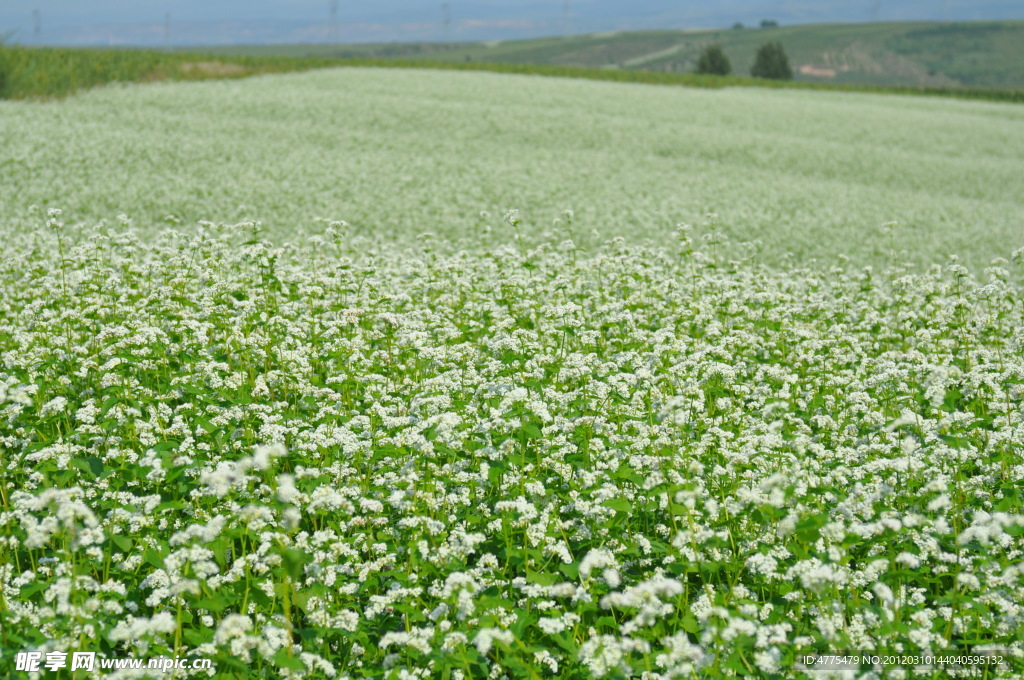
[
  {"x": 977, "y": 55},
  {"x": 27, "y": 73}
]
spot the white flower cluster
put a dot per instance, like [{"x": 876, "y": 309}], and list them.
[
  {"x": 631, "y": 461},
  {"x": 808, "y": 173}
]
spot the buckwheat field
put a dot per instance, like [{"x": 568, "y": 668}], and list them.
[{"x": 396, "y": 374}]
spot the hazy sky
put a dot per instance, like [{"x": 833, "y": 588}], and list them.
[{"x": 154, "y": 22}]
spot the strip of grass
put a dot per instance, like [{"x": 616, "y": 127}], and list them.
[{"x": 34, "y": 73}]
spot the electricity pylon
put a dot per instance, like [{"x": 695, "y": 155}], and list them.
[{"x": 332, "y": 35}]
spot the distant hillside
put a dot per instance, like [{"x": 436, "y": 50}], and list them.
[{"x": 971, "y": 55}]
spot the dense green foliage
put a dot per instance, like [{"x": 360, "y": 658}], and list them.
[
  {"x": 323, "y": 460},
  {"x": 712, "y": 61},
  {"x": 771, "y": 62},
  {"x": 4, "y": 70},
  {"x": 54, "y": 72},
  {"x": 5, "y": 67}
]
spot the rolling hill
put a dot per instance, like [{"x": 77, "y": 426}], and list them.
[{"x": 975, "y": 54}]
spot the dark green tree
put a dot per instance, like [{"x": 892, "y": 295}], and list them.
[
  {"x": 771, "y": 62},
  {"x": 712, "y": 61}
]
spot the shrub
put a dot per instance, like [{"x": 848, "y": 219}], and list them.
[
  {"x": 771, "y": 62},
  {"x": 4, "y": 67},
  {"x": 713, "y": 61}
]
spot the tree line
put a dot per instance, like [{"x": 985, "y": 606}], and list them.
[{"x": 770, "y": 62}]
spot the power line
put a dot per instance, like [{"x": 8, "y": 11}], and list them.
[{"x": 332, "y": 35}]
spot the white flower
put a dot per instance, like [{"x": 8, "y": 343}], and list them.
[
  {"x": 597, "y": 558},
  {"x": 551, "y": 626},
  {"x": 486, "y": 638},
  {"x": 55, "y": 405},
  {"x": 231, "y": 627}
]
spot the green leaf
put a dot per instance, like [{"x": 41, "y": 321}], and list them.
[
  {"x": 170, "y": 505},
  {"x": 302, "y": 598},
  {"x": 91, "y": 465},
  {"x": 107, "y": 404},
  {"x": 620, "y": 505},
  {"x": 214, "y": 604},
  {"x": 541, "y": 579},
  {"x": 198, "y": 636},
  {"x": 294, "y": 562},
  {"x": 154, "y": 558},
  {"x": 566, "y": 642},
  {"x": 285, "y": 660},
  {"x": 31, "y": 589},
  {"x": 531, "y": 431},
  {"x": 629, "y": 474},
  {"x": 122, "y": 542},
  {"x": 209, "y": 427},
  {"x": 809, "y": 528}
]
